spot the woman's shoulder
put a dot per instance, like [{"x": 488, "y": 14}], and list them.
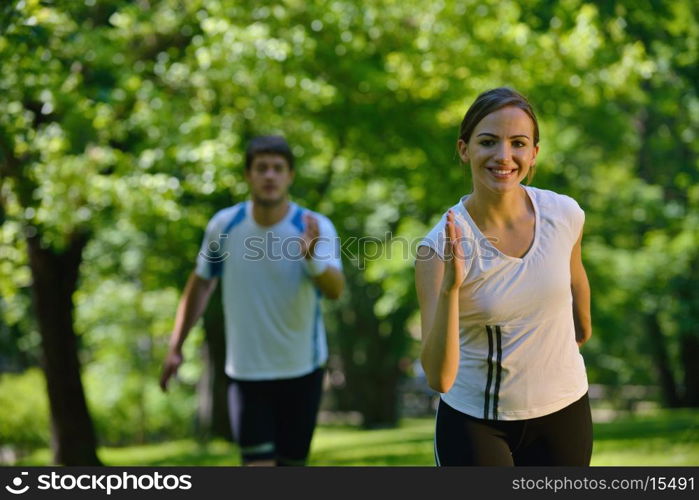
[
  {"x": 560, "y": 210},
  {"x": 458, "y": 209},
  {"x": 546, "y": 198},
  {"x": 435, "y": 236}
]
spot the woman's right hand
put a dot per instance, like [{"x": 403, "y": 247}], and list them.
[{"x": 454, "y": 271}]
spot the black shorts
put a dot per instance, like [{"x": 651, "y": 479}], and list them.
[
  {"x": 275, "y": 419},
  {"x": 561, "y": 438}
]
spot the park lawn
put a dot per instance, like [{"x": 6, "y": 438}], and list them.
[{"x": 663, "y": 437}]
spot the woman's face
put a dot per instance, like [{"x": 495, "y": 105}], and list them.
[{"x": 501, "y": 150}]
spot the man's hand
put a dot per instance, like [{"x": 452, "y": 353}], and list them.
[
  {"x": 582, "y": 337},
  {"x": 309, "y": 238},
  {"x": 172, "y": 363}
]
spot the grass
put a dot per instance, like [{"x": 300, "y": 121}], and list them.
[{"x": 661, "y": 437}]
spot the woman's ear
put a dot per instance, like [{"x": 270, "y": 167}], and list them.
[
  {"x": 462, "y": 147},
  {"x": 536, "y": 152}
]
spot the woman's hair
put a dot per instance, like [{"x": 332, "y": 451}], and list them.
[
  {"x": 275, "y": 144},
  {"x": 493, "y": 100}
]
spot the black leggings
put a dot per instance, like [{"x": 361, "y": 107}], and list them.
[{"x": 561, "y": 438}]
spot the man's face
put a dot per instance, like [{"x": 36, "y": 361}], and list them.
[{"x": 269, "y": 178}]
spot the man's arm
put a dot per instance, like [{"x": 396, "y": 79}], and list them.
[
  {"x": 192, "y": 305},
  {"x": 330, "y": 282},
  {"x": 580, "y": 288},
  {"x": 329, "y": 279}
]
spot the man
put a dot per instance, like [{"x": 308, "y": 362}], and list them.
[{"x": 275, "y": 260}]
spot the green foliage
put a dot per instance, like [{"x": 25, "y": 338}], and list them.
[
  {"x": 123, "y": 355},
  {"x": 129, "y": 409},
  {"x": 25, "y": 412},
  {"x": 125, "y": 407}
]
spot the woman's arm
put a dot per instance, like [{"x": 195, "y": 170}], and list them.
[
  {"x": 580, "y": 288},
  {"x": 437, "y": 283}
]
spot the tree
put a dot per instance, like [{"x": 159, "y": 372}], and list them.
[{"x": 25, "y": 131}]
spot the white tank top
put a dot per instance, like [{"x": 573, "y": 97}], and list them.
[{"x": 518, "y": 355}]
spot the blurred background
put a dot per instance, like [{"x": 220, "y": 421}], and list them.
[{"x": 122, "y": 131}]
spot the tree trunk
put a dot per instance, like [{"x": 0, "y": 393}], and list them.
[
  {"x": 662, "y": 361},
  {"x": 646, "y": 124},
  {"x": 689, "y": 348},
  {"x": 217, "y": 422},
  {"x": 379, "y": 395},
  {"x": 687, "y": 315},
  {"x": 55, "y": 276},
  {"x": 371, "y": 350}
]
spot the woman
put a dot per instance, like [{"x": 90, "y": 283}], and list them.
[{"x": 505, "y": 304}]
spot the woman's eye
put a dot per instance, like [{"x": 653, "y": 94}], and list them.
[
  {"x": 518, "y": 144},
  {"x": 487, "y": 142}
]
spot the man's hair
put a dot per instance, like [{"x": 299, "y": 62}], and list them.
[{"x": 274, "y": 144}]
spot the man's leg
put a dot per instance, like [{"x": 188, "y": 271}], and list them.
[
  {"x": 251, "y": 410},
  {"x": 298, "y": 403}
]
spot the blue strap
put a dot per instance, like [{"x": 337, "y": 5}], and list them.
[
  {"x": 216, "y": 265},
  {"x": 297, "y": 219}
]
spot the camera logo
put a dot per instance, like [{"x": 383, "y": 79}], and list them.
[
  {"x": 17, "y": 483},
  {"x": 215, "y": 247}
]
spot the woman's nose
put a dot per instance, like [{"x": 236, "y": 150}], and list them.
[{"x": 503, "y": 153}]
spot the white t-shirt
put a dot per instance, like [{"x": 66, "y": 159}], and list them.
[
  {"x": 518, "y": 354},
  {"x": 274, "y": 326}
]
